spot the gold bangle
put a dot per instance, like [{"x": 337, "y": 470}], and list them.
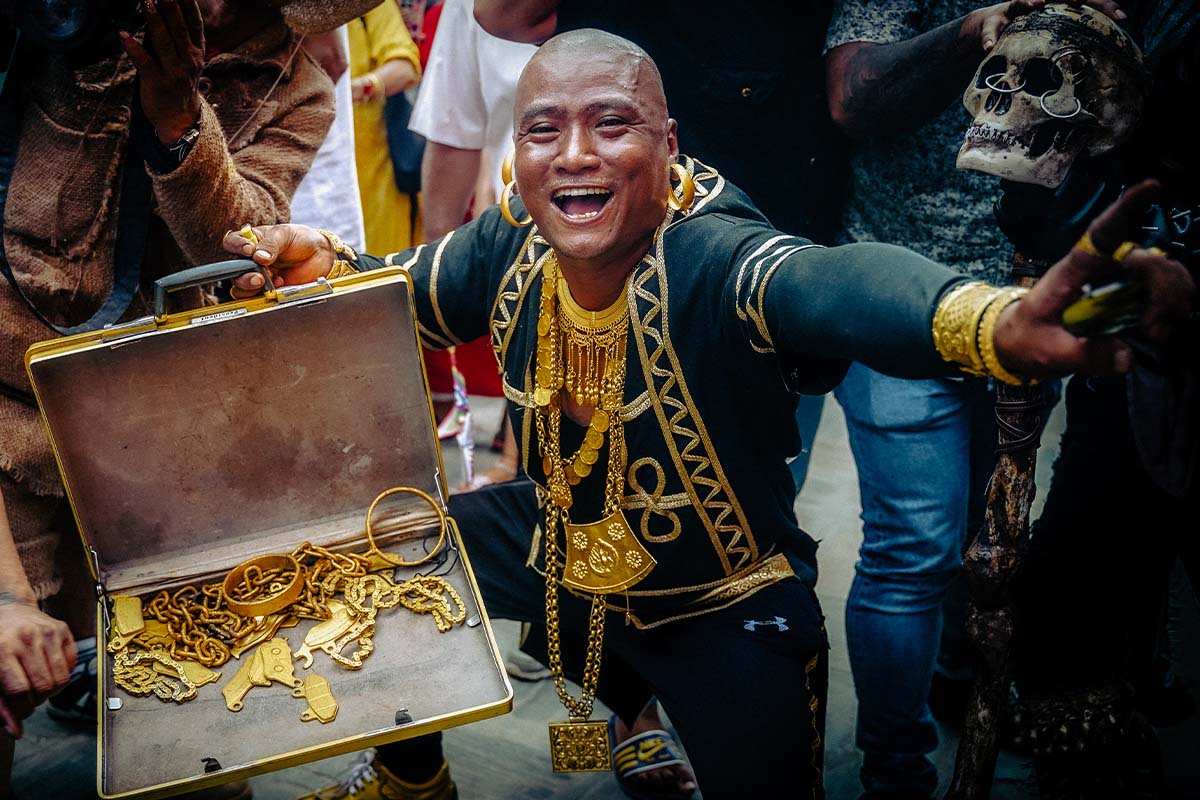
[
  {"x": 987, "y": 335},
  {"x": 956, "y": 323},
  {"x": 374, "y": 551},
  {"x": 339, "y": 247},
  {"x": 273, "y": 602},
  {"x": 1123, "y": 250},
  {"x": 340, "y": 269}
]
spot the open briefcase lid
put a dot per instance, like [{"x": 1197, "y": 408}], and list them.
[{"x": 192, "y": 442}]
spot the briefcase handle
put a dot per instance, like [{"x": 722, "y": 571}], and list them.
[{"x": 206, "y": 273}]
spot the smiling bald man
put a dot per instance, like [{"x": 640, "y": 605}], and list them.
[{"x": 647, "y": 332}]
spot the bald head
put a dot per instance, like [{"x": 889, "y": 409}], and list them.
[{"x": 591, "y": 50}]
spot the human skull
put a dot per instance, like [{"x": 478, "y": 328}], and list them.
[{"x": 1060, "y": 81}]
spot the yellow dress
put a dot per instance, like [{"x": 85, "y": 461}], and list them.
[{"x": 391, "y": 219}]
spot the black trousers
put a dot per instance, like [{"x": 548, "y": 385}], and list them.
[
  {"x": 1094, "y": 583},
  {"x": 748, "y": 702}
]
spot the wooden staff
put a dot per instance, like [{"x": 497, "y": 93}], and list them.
[{"x": 992, "y": 563}]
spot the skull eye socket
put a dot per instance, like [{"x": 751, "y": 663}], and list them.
[
  {"x": 993, "y": 69},
  {"x": 1041, "y": 76}
]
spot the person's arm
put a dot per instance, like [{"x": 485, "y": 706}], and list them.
[
  {"x": 393, "y": 51},
  {"x": 888, "y": 307},
  {"x": 448, "y": 179},
  {"x": 219, "y": 184},
  {"x": 327, "y": 50},
  {"x": 37, "y": 651},
  {"x": 526, "y": 21},
  {"x": 895, "y": 87}
]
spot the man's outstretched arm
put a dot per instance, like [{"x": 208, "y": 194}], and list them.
[{"x": 904, "y": 315}]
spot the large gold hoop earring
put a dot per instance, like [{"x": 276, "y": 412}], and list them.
[
  {"x": 506, "y": 212},
  {"x": 687, "y": 190},
  {"x": 506, "y": 167}
]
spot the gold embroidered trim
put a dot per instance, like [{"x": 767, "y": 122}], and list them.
[
  {"x": 723, "y": 599},
  {"x": 434, "y": 269},
  {"x": 750, "y": 295},
  {"x": 718, "y": 509},
  {"x": 772, "y": 570},
  {"x": 634, "y": 407},
  {"x": 512, "y": 290}
]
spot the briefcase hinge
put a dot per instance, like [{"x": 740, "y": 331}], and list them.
[
  {"x": 307, "y": 291},
  {"x": 110, "y": 333}
]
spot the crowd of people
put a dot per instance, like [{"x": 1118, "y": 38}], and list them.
[{"x": 766, "y": 209}]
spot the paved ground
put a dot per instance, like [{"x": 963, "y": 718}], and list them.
[{"x": 506, "y": 758}]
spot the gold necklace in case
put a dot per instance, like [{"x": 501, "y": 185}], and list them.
[{"x": 581, "y": 354}]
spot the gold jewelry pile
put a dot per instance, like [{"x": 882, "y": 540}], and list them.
[
  {"x": 581, "y": 355},
  {"x": 166, "y": 647}
]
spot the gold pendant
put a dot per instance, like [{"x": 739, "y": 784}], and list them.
[
  {"x": 604, "y": 556},
  {"x": 580, "y": 747}
]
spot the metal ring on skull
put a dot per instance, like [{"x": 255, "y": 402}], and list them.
[
  {"x": 990, "y": 82},
  {"x": 274, "y": 601},
  {"x": 1042, "y": 103},
  {"x": 393, "y": 560}
]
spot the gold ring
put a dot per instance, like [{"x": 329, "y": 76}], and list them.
[
  {"x": 1156, "y": 251},
  {"x": 1123, "y": 250},
  {"x": 1086, "y": 244},
  {"x": 374, "y": 550},
  {"x": 272, "y": 602}
]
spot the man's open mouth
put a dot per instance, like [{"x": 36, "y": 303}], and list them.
[{"x": 581, "y": 203}]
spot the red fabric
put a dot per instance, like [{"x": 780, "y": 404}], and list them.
[
  {"x": 428, "y": 29},
  {"x": 476, "y": 363}
]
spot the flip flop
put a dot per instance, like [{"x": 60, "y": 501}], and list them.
[{"x": 647, "y": 751}]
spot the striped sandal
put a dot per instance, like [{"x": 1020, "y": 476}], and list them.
[{"x": 643, "y": 753}]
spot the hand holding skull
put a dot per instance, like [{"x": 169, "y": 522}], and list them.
[{"x": 169, "y": 61}]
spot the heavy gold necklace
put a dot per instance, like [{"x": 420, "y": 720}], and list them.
[{"x": 581, "y": 354}]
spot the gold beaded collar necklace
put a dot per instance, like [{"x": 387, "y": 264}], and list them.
[{"x": 581, "y": 354}]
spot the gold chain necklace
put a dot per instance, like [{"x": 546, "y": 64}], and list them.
[{"x": 581, "y": 354}]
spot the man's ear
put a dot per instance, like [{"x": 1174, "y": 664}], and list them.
[{"x": 673, "y": 138}]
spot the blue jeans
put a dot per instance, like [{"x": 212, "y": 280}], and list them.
[
  {"x": 924, "y": 455},
  {"x": 808, "y": 417}
]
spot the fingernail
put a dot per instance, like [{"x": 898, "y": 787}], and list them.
[
  {"x": 1121, "y": 14},
  {"x": 987, "y": 44},
  {"x": 262, "y": 254},
  {"x": 256, "y": 280},
  {"x": 248, "y": 249}
]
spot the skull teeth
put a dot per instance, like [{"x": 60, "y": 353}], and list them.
[{"x": 992, "y": 134}]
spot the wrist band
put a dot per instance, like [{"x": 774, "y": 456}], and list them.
[
  {"x": 987, "y": 335},
  {"x": 956, "y": 324},
  {"x": 375, "y": 84}
]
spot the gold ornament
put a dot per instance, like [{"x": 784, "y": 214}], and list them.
[
  {"x": 581, "y": 355},
  {"x": 506, "y": 210},
  {"x": 687, "y": 190}
]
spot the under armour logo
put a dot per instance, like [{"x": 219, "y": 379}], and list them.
[{"x": 778, "y": 622}]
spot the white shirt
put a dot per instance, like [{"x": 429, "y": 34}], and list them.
[
  {"x": 469, "y": 87},
  {"x": 328, "y": 195}
]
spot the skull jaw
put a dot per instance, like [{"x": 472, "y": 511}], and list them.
[{"x": 1012, "y": 160}]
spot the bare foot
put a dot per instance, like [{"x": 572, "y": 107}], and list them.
[{"x": 675, "y": 780}]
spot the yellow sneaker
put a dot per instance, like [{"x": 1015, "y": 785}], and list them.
[{"x": 367, "y": 780}]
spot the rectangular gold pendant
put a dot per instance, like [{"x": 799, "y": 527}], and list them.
[{"x": 580, "y": 747}]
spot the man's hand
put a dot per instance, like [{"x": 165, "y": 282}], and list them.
[
  {"x": 37, "y": 653},
  {"x": 992, "y": 20},
  {"x": 1030, "y": 339},
  {"x": 169, "y": 61},
  {"x": 292, "y": 254}
]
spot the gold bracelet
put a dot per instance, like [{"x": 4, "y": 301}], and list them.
[
  {"x": 1086, "y": 244},
  {"x": 257, "y": 603},
  {"x": 987, "y": 335},
  {"x": 956, "y": 323},
  {"x": 341, "y": 266}
]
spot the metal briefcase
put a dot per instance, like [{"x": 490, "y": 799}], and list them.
[{"x": 191, "y": 442}]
